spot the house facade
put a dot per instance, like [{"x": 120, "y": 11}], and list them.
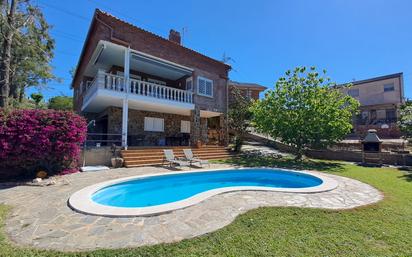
[
  {"x": 380, "y": 99},
  {"x": 148, "y": 90},
  {"x": 248, "y": 90}
]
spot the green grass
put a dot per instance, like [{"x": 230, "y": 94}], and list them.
[{"x": 383, "y": 229}]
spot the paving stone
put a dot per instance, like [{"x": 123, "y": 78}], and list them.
[{"x": 41, "y": 218}]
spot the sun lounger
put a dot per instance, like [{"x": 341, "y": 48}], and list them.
[
  {"x": 192, "y": 159},
  {"x": 172, "y": 160}
]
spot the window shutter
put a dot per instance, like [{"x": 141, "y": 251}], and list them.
[
  {"x": 202, "y": 86},
  {"x": 205, "y": 86},
  {"x": 185, "y": 126},
  {"x": 159, "y": 125},
  {"x": 153, "y": 124},
  {"x": 209, "y": 88},
  {"x": 148, "y": 124}
]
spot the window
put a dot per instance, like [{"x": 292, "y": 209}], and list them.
[
  {"x": 185, "y": 126},
  {"x": 373, "y": 115},
  {"x": 391, "y": 114},
  {"x": 248, "y": 94},
  {"x": 189, "y": 84},
  {"x": 354, "y": 92},
  {"x": 88, "y": 84},
  {"x": 153, "y": 124},
  {"x": 132, "y": 76},
  {"x": 204, "y": 86},
  {"x": 388, "y": 87},
  {"x": 365, "y": 114},
  {"x": 159, "y": 82}
]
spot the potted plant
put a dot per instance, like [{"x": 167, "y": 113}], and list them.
[
  {"x": 116, "y": 160},
  {"x": 198, "y": 143}
]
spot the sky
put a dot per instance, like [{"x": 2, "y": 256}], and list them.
[{"x": 351, "y": 39}]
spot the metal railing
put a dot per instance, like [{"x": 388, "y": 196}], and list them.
[{"x": 102, "y": 139}]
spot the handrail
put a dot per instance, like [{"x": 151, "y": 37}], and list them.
[
  {"x": 145, "y": 88},
  {"x": 138, "y": 87}
]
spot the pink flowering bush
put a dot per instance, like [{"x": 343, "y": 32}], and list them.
[{"x": 40, "y": 139}]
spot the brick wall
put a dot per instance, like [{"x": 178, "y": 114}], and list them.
[{"x": 106, "y": 27}]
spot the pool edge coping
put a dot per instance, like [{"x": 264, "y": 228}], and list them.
[{"x": 81, "y": 201}]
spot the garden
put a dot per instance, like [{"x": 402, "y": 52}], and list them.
[{"x": 382, "y": 229}]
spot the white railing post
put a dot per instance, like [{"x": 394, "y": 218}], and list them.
[
  {"x": 100, "y": 78},
  {"x": 144, "y": 88}
]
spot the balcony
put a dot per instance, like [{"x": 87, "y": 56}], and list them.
[{"x": 110, "y": 90}]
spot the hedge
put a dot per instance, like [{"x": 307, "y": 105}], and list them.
[{"x": 31, "y": 140}]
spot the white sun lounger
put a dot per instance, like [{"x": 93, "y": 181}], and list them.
[
  {"x": 192, "y": 159},
  {"x": 171, "y": 159}
]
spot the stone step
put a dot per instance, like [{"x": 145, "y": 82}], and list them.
[
  {"x": 147, "y": 156},
  {"x": 176, "y": 152},
  {"x": 150, "y": 150},
  {"x": 159, "y": 158},
  {"x": 133, "y": 165}
]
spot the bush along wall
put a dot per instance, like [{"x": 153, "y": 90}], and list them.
[{"x": 33, "y": 140}]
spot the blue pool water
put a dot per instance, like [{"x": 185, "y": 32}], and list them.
[{"x": 151, "y": 191}]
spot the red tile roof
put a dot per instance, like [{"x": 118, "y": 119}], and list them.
[{"x": 160, "y": 37}]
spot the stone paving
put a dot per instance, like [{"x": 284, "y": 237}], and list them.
[{"x": 41, "y": 218}]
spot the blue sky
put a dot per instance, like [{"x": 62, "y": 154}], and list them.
[{"x": 351, "y": 39}]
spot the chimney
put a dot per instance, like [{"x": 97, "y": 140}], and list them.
[{"x": 174, "y": 36}]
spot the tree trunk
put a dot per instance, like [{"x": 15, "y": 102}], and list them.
[
  {"x": 6, "y": 57},
  {"x": 299, "y": 151},
  {"x": 21, "y": 94}
]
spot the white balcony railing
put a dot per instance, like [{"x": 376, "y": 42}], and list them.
[{"x": 137, "y": 87}]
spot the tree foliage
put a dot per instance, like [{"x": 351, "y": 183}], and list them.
[
  {"x": 27, "y": 42},
  {"x": 405, "y": 120},
  {"x": 305, "y": 110},
  {"x": 239, "y": 116},
  {"x": 37, "y": 98},
  {"x": 64, "y": 103}
]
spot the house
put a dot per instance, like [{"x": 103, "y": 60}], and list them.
[
  {"x": 146, "y": 90},
  {"x": 380, "y": 99},
  {"x": 249, "y": 90}
]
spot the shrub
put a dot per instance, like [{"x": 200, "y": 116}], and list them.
[{"x": 40, "y": 139}]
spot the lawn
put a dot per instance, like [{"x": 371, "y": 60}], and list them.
[{"x": 384, "y": 229}]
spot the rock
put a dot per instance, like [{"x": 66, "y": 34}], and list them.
[{"x": 37, "y": 180}]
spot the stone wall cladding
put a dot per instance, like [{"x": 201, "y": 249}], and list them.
[
  {"x": 172, "y": 124},
  {"x": 194, "y": 126}
]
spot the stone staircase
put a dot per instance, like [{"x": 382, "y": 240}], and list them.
[{"x": 148, "y": 156}]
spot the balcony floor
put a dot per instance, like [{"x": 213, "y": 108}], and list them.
[{"x": 103, "y": 98}]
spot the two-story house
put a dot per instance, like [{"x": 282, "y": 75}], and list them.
[
  {"x": 147, "y": 89},
  {"x": 248, "y": 90},
  {"x": 380, "y": 99}
]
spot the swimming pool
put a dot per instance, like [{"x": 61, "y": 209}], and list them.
[{"x": 146, "y": 195}]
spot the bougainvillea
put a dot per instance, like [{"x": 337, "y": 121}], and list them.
[{"x": 40, "y": 139}]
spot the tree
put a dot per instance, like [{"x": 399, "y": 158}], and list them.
[
  {"x": 61, "y": 103},
  {"x": 239, "y": 116},
  {"x": 37, "y": 98},
  {"x": 405, "y": 120},
  {"x": 305, "y": 110},
  {"x": 26, "y": 50}
]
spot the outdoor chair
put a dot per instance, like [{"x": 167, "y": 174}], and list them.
[
  {"x": 172, "y": 160},
  {"x": 192, "y": 159}
]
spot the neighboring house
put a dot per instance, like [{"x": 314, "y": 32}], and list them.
[
  {"x": 147, "y": 89},
  {"x": 249, "y": 90},
  {"x": 380, "y": 99}
]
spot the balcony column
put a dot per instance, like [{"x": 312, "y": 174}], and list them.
[{"x": 125, "y": 109}]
